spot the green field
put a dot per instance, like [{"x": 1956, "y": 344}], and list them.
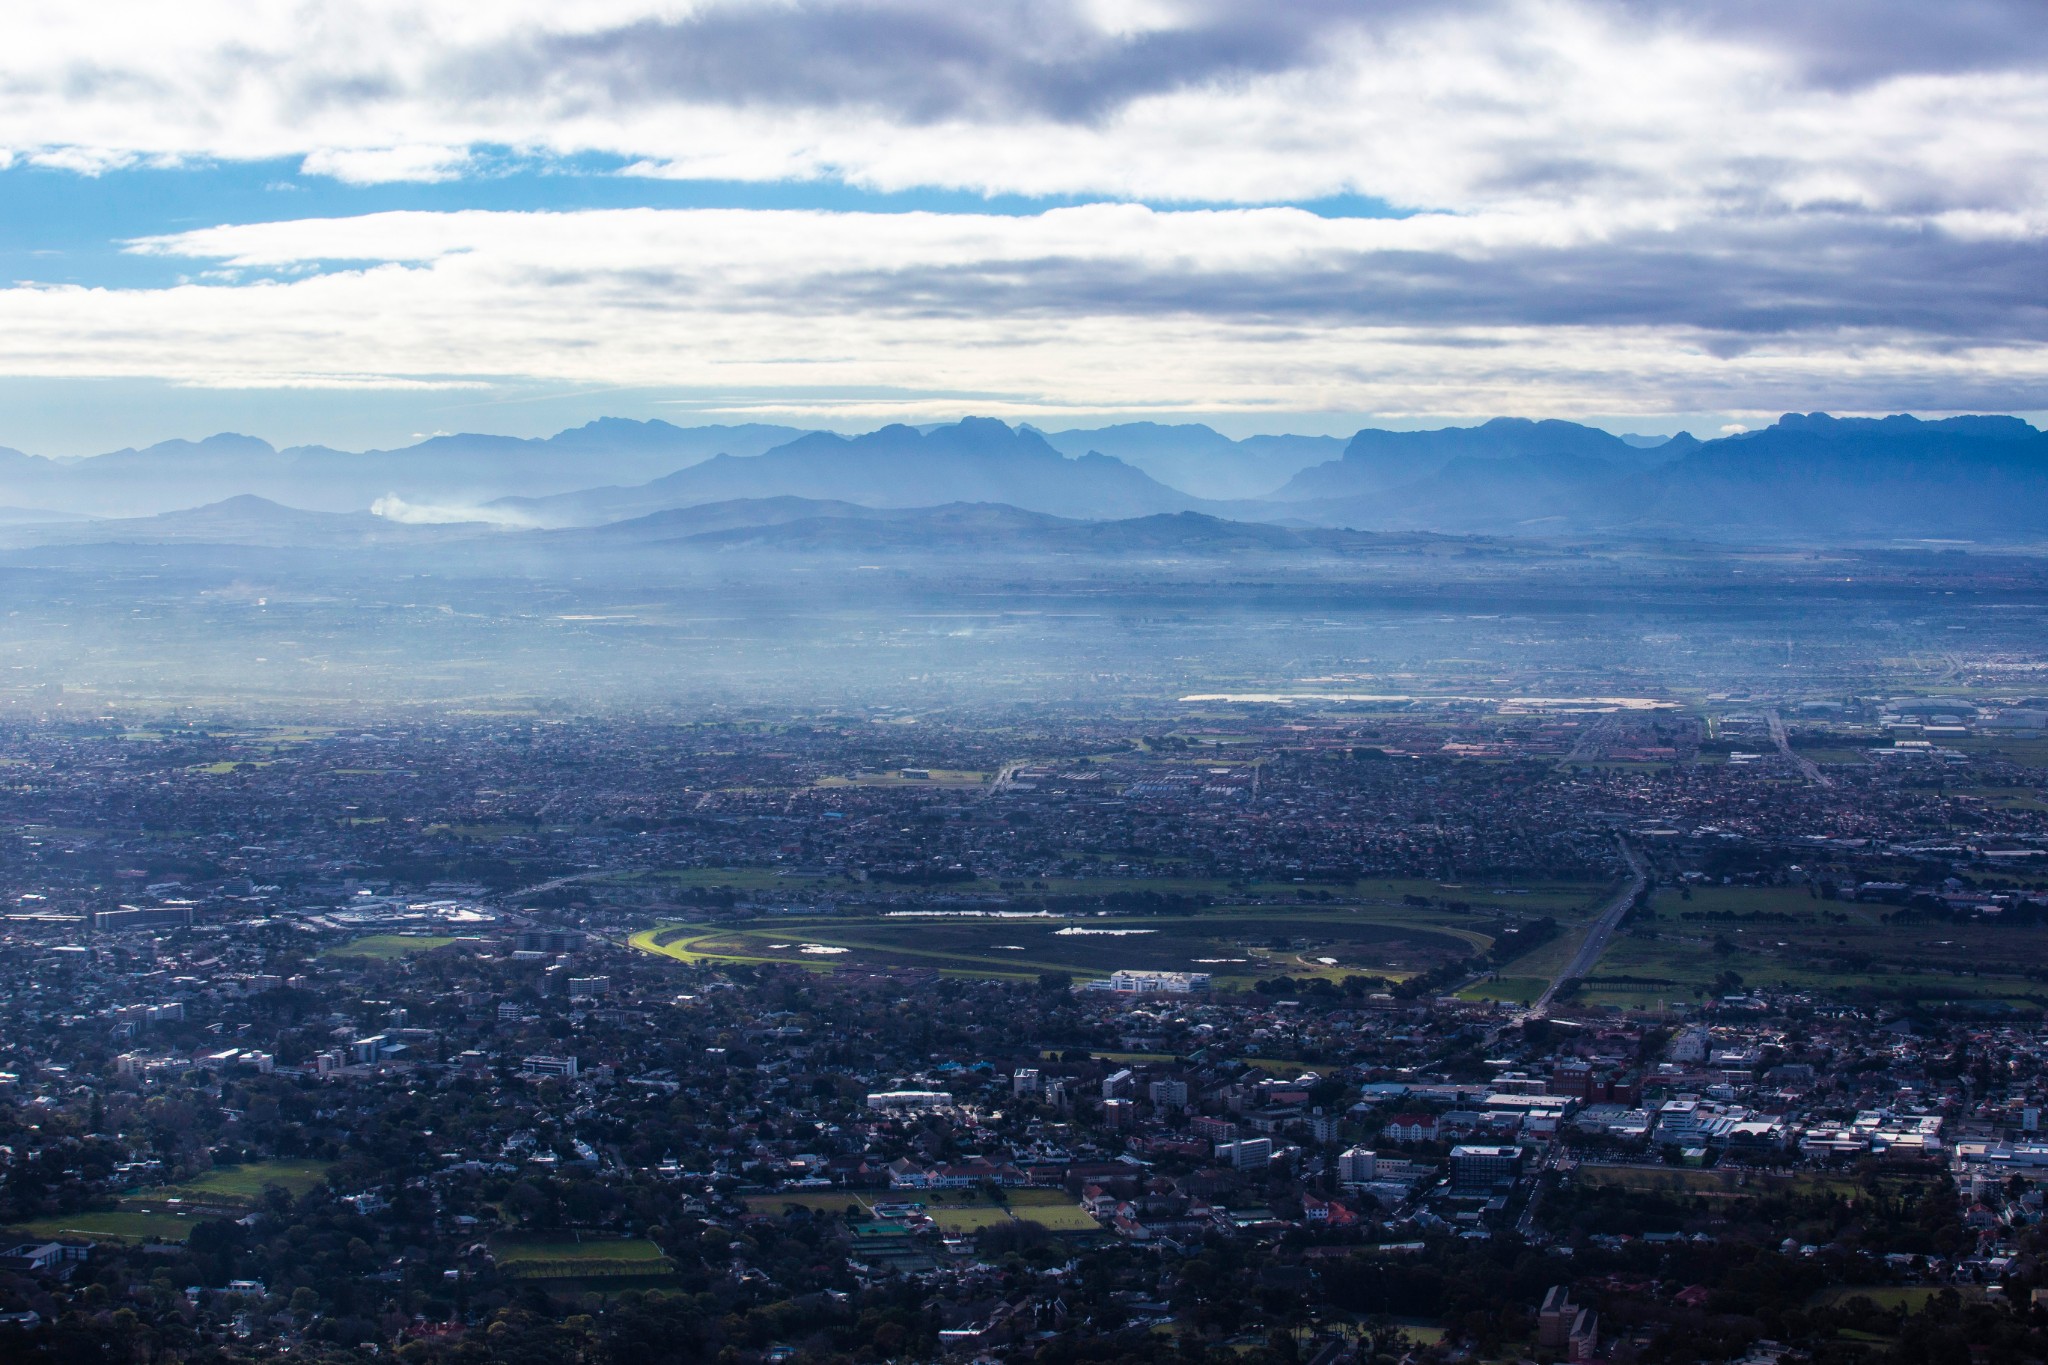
[
  {"x": 1911, "y": 1297},
  {"x": 555, "y": 1258},
  {"x": 1676, "y": 959},
  {"x": 817, "y": 1201},
  {"x": 1734, "y": 1184},
  {"x": 238, "y": 1186},
  {"x": 1485, "y": 898},
  {"x": 1841, "y": 949},
  {"x": 1235, "y": 945},
  {"x": 955, "y": 1212},
  {"x": 124, "y": 1225},
  {"x": 386, "y": 947}
]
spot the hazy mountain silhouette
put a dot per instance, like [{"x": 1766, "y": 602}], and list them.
[
  {"x": 975, "y": 460},
  {"x": 1201, "y": 460},
  {"x": 444, "y": 469},
  {"x": 1805, "y": 477}
]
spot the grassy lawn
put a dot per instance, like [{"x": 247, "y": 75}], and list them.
[
  {"x": 120, "y": 1226},
  {"x": 955, "y": 1221},
  {"x": 938, "y": 777},
  {"x": 2032, "y": 753},
  {"x": 817, "y": 1201},
  {"x": 1514, "y": 990},
  {"x": 238, "y": 1185},
  {"x": 550, "y": 1258},
  {"x": 1837, "y": 948},
  {"x": 1235, "y": 945},
  {"x": 1911, "y": 1297},
  {"x": 1562, "y": 899},
  {"x": 967, "y": 1211},
  {"x": 1734, "y": 1184},
  {"x": 955, "y": 1212},
  {"x": 385, "y": 947}
]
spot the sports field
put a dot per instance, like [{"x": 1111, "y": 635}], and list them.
[
  {"x": 1235, "y": 946},
  {"x": 954, "y": 1212},
  {"x": 553, "y": 1258},
  {"x": 238, "y": 1185},
  {"x": 1727, "y": 939},
  {"x": 385, "y": 947},
  {"x": 124, "y": 1225}
]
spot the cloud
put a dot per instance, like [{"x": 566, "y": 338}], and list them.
[
  {"x": 391, "y": 507},
  {"x": 1098, "y": 307},
  {"x": 1624, "y": 205},
  {"x": 925, "y": 62},
  {"x": 1463, "y": 105},
  {"x": 382, "y": 165}
]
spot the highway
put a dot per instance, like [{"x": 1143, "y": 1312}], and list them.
[
  {"x": 1596, "y": 940},
  {"x": 1804, "y": 764}
]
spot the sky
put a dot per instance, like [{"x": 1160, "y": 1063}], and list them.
[{"x": 359, "y": 222}]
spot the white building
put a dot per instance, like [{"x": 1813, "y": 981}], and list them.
[
  {"x": 909, "y": 1099},
  {"x": 1133, "y": 982},
  {"x": 542, "y": 1065},
  {"x": 1168, "y": 1094},
  {"x": 1246, "y": 1154},
  {"x": 1358, "y": 1166}
]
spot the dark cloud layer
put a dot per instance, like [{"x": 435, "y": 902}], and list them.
[
  {"x": 920, "y": 61},
  {"x": 1746, "y": 284},
  {"x": 929, "y": 60}
]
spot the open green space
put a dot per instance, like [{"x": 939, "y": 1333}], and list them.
[
  {"x": 1911, "y": 1297},
  {"x": 1731, "y": 1182},
  {"x": 553, "y": 1258},
  {"x": 817, "y": 1201},
  {"x": 933, "y": 777},
  {"x": 1509, "y": 990},
  {"x": 1727, "y": 938},
  {"x": 1482, "y": 898},
  {"x": 238, "y": 1185},
  {"x": 385, "y": 947},
  {"x": 954, "y": 1212},
  {"x": 122, "y": 1225},
  {"x": 2031, "y": 753},
  {"x": 1235, "y": 945}
]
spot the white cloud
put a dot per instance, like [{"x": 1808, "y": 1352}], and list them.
[
  {"x": 1462, "y": 105},
  {"x": 391, "y": 507},
  {"x": 1627, "y": 207},
  {"x": 1102, "y": 307},
  {"x": 382, "y": 165}
]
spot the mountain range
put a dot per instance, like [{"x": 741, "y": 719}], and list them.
[
  {"x": 1805, "y": 478},
  {"x": 462, "y": 470}
]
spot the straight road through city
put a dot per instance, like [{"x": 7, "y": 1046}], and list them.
[{"x": 1595, "y": 942}]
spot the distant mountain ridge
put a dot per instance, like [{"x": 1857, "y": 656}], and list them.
[
  {"x": 977, "y": 460},
  {"x": 775, "y": 525},
  {"x": 1200, "y": 460},
  {"x": 466, "y": 468},
  {"x": 1806, "y": 477}
]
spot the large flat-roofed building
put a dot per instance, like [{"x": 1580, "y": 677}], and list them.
[
  {"x": 1134, "y": 982},
  {"x": 909, "y": 1099},
  {"x": 135, "y": 917},
  {"x": 564, "y": 1067},
  {"x": 1359, "y": 1166},
  {"x": 1479, "y": 1168}
]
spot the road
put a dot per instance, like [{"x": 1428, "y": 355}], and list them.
[
  {"x": 1004, "y": 777},
  {"x": 1799, "y": 761},
  {"x": 1592, "y": 741},
  {"x": 513, "y": 897},
  {"x": 1595, "y": 942}
]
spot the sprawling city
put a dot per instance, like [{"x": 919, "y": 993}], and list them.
[
  {"x": 1033, "y": 682},
  {"x": 1571, "y": 1029}
]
